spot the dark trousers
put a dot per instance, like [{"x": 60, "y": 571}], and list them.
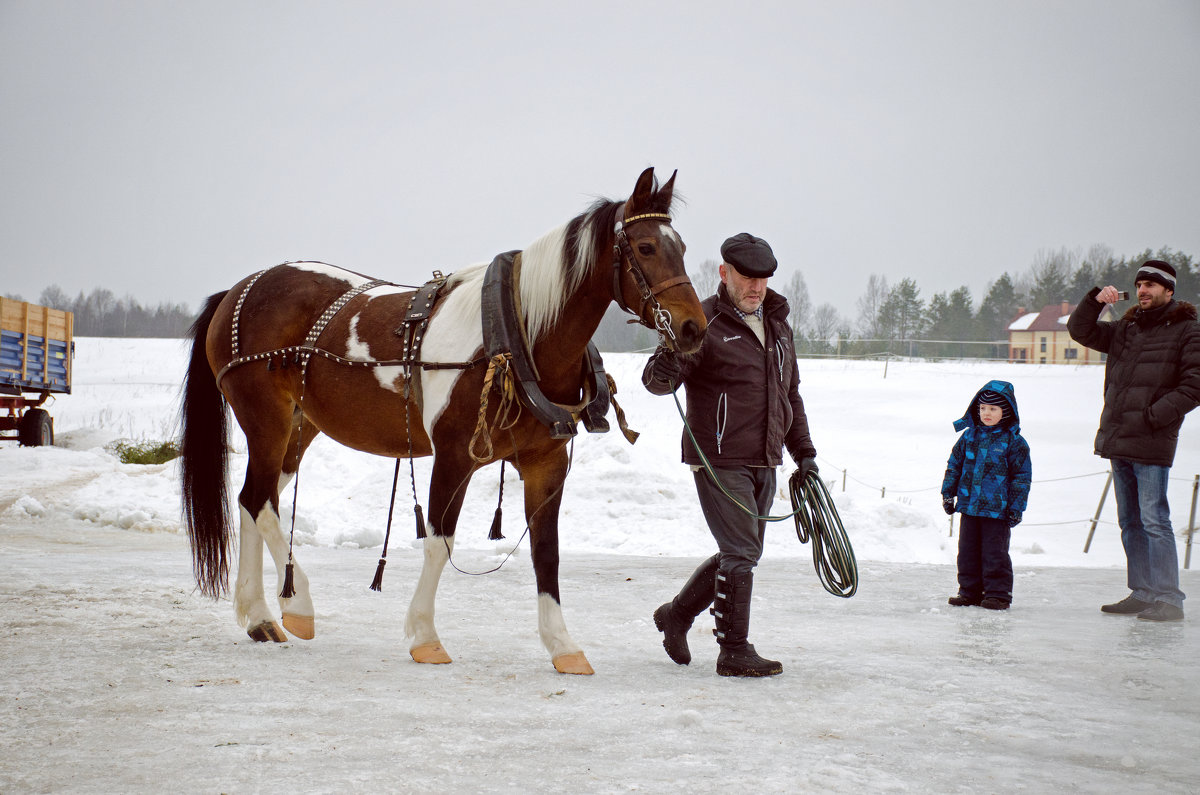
[
  {"x": 739, "y": 536},
  {"x": 984, "y": 567}
]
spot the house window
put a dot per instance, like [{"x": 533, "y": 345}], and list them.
[
  {"x": 1043, "y": 361},
  {"x": 1071, "y": 353},
  {"x": 1043, "y": 344}
]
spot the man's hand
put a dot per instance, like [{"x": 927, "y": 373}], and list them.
[
  {"x": 1014, "y": 517},
  {"x": 807, "y": 465},
  {"x": 1108, "y": 295},
  {"x": 948, "y": 505}
]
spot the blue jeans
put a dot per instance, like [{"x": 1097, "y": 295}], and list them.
[{"x": 1146, "y": 533}]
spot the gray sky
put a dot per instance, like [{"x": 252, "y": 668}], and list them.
[{"x": 166, "y": 149}]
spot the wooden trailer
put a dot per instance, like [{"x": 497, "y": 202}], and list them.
[{"x": 36, "y": 353}]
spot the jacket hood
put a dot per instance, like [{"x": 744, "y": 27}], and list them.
[{"x": 971, "y": 418}]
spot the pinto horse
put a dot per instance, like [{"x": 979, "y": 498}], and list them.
[{"x": 338, "y": 331}]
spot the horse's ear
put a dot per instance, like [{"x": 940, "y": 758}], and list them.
[
  {"x": 664, "y": 193},
  {"x": 642, "y": 191}
]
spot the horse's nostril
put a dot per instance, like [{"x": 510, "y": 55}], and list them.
[{"x": 690, "y": 336}]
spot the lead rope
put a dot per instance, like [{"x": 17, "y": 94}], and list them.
[{"x": 816, "y": 518}]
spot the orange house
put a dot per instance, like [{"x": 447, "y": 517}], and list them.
[{"x": 1042, "y": 337}]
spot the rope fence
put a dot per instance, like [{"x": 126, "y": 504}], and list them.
[{"x": 1093, "y": 521}]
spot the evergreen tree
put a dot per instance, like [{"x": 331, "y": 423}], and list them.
[
  {"x": 903, "y": 314},
  {"x": 998, "y": 309}
]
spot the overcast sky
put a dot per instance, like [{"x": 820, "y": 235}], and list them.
[{"x": 166, "y": 149}]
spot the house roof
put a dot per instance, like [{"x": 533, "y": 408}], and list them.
[{"x": 1051, "y": 318}]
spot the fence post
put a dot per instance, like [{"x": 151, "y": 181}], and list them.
[
  {"x": 951, "y": 525},
  {"x": 1187, "y": 555},
  {"x": 882, "y": 491},
  {"x": 843, "y": 481},
  {"x": 1099, "y": 508}
]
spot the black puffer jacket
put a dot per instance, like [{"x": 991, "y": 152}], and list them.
[
  {"x": 1151, "y": 378},
  {"x": 743, "y": 402}
]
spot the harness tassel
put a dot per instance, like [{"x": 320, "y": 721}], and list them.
[
  {"x": 377, "y": 583},
  {"x": 289, "y": 588},
  {"x": 420, "y": 521},
  {"x": 494, "y": 534}
]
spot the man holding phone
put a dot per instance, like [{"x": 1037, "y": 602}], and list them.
[{"x": 1151, "y": 380}]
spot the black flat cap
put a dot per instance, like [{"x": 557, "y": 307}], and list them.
[{"x": 749, "y": 255}]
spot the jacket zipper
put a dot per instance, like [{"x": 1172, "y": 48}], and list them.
[{"x": 722, "y": 415}]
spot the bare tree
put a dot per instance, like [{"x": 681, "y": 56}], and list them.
[
  {"x": 705, "y": 278},
  {"x": 869, "y": 305},
  {"x": 796, "y": 292}
]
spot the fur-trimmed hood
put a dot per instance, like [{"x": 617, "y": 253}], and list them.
[{"x": 1173, "y": 312}]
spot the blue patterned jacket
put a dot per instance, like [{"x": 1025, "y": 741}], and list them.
[{"x": 989, "y": 470}]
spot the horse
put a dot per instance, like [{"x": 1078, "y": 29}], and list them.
[{"x": 355, "y": 378}]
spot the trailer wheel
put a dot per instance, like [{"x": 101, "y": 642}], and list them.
[{"x": 37, "y": 429}]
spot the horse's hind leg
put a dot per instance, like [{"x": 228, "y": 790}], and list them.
[
  {"x": 298, "y": 612},
  {"x": 258, "y": 504}
]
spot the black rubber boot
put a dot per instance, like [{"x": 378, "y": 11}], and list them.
[
  {"x": 732, "y": 612},
  {"x": 675, "y": 618}
]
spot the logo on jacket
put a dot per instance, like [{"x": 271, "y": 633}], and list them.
[{"x": 731, "y": 339}]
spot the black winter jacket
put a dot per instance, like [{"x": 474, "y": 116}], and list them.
[
  {"x": 1151, "y": 378},
  {"x": 743, "y": 402}
]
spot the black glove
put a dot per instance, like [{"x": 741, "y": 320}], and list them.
[
  {"x": 667, "y": 366},
  {"x": 1014, "y": 517},
  {"x": 807, "y": 465},
  {"x": 948, "y": 505}
]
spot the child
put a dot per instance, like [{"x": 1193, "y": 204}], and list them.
[{"x": 989, "y": 472}]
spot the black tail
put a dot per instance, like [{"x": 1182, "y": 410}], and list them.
[{"x": 204, "y": 463}]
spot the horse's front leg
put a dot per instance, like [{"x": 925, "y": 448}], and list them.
[
  {"x": 448, "y": 484},
  {"x": 543, "y": 494}
]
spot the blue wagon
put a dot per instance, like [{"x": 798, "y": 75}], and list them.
[{"x": 36, "y": 353}]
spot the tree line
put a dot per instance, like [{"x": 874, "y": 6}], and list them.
[
  {"x": 891, "y": 318},
  {"x": 895, "y": 318},
  {"x": 101, "y": 314}
]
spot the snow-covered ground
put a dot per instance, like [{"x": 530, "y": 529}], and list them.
[{"x": 117, "y": 676}]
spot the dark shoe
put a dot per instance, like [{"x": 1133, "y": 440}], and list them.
[
  {"x": 1126, "y": 607},
  {"x": 746, "y": 662},
  {"x": 1161, "y": 611},
  {"x": 993, "y": 603},
  {"x": 964, "y": 601},
  {"x": 731, "y": 608},
  {"x": 674, "y": 618}
]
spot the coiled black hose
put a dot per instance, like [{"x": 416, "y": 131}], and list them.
[{"x": 817, "y": 519}]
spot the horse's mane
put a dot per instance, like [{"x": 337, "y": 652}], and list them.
[{"x": 555, "y": 265}]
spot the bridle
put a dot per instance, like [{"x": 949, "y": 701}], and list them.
[{"x": 623, "y": 252}]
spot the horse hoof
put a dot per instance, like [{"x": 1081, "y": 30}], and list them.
[
  {"x": 575, "y": 663},
  {"x": 300, "y": 626},
  {"x": 267, "y": 630},
  {"x": 430, "y": 653}
]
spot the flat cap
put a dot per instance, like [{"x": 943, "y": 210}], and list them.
[{"x": 749, "y": 255}]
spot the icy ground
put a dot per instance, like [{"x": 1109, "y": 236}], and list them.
[{"x": 115, "y": 676}]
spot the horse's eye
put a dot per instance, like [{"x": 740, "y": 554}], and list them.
[{"x": 645, "y": 249}]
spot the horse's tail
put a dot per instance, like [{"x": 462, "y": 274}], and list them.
[{"x": 204, "y": 463}]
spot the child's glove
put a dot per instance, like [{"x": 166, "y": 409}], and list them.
[
  {"x": 948, "y": 505},
  {"x": 1014, "y": 517}
]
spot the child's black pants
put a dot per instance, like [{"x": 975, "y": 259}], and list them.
[{"x": 984, "y": 567}]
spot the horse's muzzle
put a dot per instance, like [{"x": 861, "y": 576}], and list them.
[{"x": 689, "y": 336}]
